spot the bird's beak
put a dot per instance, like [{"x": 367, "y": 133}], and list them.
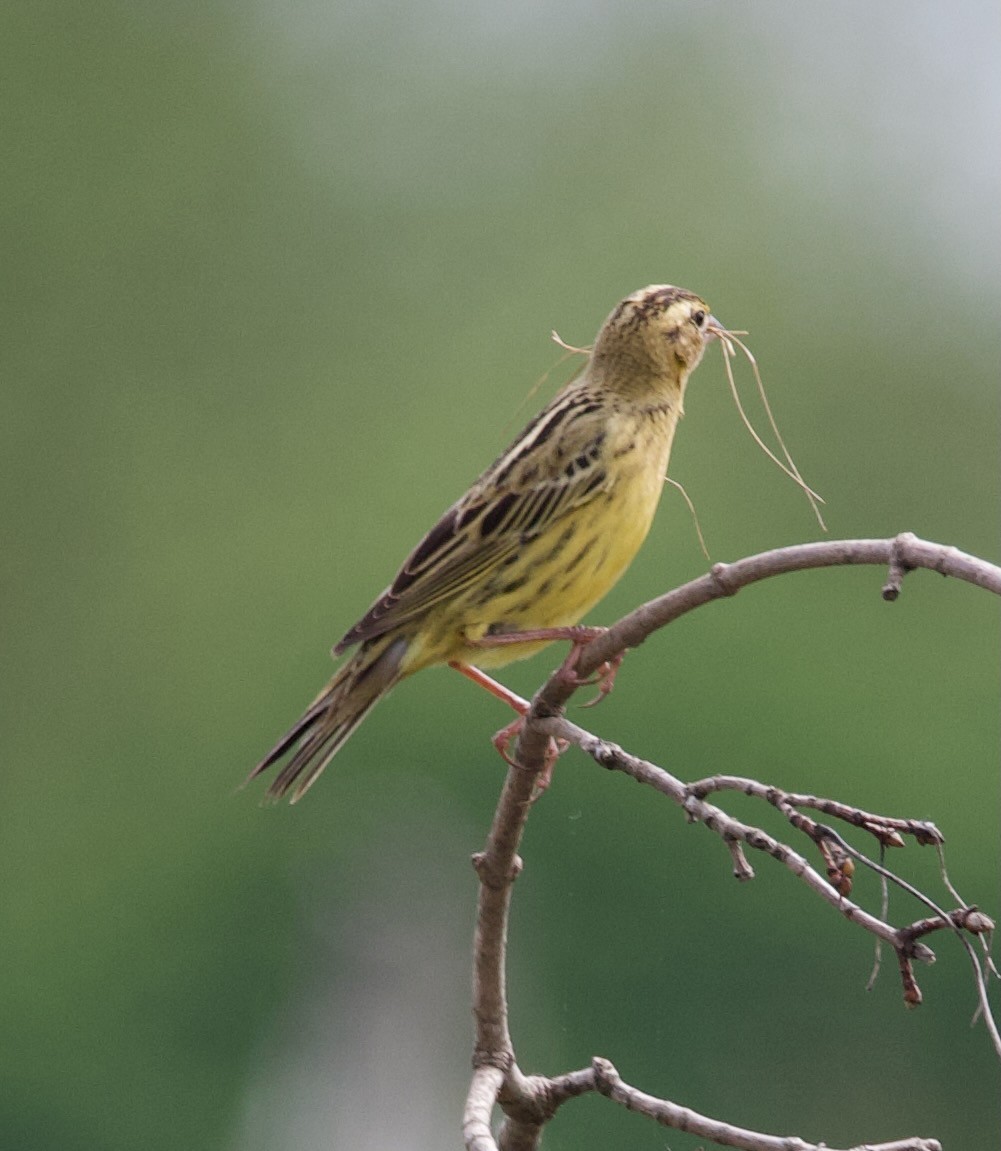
[{"x": 713, "y": 329}]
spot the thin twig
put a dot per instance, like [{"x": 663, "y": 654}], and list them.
[
  {"x": 668, "y": 1114},
  {"x": 612, "y": 756},
  {"x": 884, "y": 911}
]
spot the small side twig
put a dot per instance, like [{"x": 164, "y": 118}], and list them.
[
  {"x": 732, "y": 830},
  {"x": 887, "y": 829},
  {"x": 897, "y": 567}
]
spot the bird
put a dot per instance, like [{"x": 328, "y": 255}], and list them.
[{"x": 543, "y": 534}]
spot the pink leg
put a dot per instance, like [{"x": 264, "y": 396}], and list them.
[
  {"x": 507, "y": 735},
  {"x": 496, "y": 689},
  {"x": 579, "y": 637}
]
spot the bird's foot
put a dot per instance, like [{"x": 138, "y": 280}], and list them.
[
  {"x": 503, "y": 740},
  {"x": 603, "y": 677},
  {"x": 579, "y": 637}
]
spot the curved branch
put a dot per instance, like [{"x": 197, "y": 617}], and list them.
[
  {"x": 530, "y": 1101},
  {"x": 667, "y": 1114},
  {"x": 602, "y": 1078},
  {"x": 901, "y": 554}
]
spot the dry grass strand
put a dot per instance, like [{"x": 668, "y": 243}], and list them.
[
  {"x": 727, "y": 341},
  {"x": 694, "y": 514}
]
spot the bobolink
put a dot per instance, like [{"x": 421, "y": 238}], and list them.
[{"x": 537, "y": 540}]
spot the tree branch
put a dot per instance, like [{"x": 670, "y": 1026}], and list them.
[
  {"x": 609, "y": 1084},
  {"x": 732, "y": 830},
  {"x": 529, "y": 1102},
  {"x": 901, "y": 554}
]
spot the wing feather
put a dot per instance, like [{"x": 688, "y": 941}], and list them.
[{"x": 507, "y": 507}]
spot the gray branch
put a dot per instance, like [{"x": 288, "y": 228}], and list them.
[{"x": 529, "y": 1102}]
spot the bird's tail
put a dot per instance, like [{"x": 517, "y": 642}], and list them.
[{"x": 317, "y": 737}]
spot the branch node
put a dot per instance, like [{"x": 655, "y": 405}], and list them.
[
  {"x": 898, "y": 566},
  {"x": 926, "y": 833},
  {"x": 970, "y": 919},
  {"x": 912, "y": 993},
  {"x": 487, "y": 875},
  {"x": 976, "y": 923},
  {"x": 605, "y": 754},
  {"x": 720, "y": 574},
  {"x": 840, "y": 865},
  {"x": 742, "y": 870},
  {"x": 909, "y": 946},
  {"x": 606, "y": 1077},
  {"x": 501, "y": 1060},
  {"x": 923, "y": 953}
]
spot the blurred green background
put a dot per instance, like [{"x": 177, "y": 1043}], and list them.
[{"x": 278, "y": 280}]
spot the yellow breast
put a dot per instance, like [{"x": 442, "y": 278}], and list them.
[{"x": 560, "y": 575}]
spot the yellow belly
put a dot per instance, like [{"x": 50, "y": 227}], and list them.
[{"x": 555, "y": 579}]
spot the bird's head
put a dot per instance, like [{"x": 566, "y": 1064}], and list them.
[{"x": 654, "y": 337}]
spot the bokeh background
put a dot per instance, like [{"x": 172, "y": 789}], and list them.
[{"x": 278, "y": 280}]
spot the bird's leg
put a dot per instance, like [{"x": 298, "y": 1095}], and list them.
[
  {"x": 505, "y": 694},
  {"x": 579, "y": 637},
  {"x": 507, "y": 735}
]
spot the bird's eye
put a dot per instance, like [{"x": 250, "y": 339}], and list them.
[{"x": 698, "y": 318}]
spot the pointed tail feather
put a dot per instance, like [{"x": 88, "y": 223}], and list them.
[{"x": 331, "y": 718}]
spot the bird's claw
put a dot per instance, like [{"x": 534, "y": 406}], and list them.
[
  {"x": 504, "y": 738},
  {"x": 604, "y": 676}
]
